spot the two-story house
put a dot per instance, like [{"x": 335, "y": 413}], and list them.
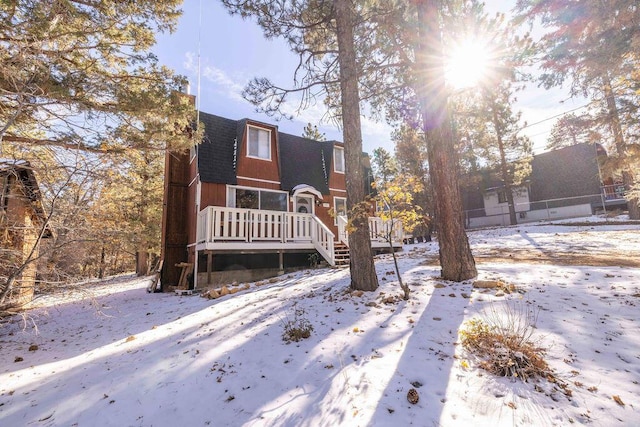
[{"x": 250, "y": 201}]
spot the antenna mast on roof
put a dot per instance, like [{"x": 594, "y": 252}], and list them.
[{"x": 198, "y": 81}]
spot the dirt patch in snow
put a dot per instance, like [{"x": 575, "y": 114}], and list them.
[
  {"x": 589, "y": 224},
  {"x": 567, "y": 258},
  {"x": 602, "y": 259}
]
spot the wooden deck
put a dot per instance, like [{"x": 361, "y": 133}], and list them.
[{"x": 250, "y": 230}]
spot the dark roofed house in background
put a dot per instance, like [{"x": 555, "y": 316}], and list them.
[
  {"x": 563, "y": 183},
  {"x": 250, "y": 201}
]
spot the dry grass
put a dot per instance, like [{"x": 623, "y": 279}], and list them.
[
  {"x": 503, "y": 342},
  {"x": 296, "y": 328}
]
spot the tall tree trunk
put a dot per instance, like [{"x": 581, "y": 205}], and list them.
[
  {"x": 142, "y": 263},
  {"x": 456, "y": 260},
  {"x": 103, "y": 264},
  {"x": 363, "y": 272},
  {"x": 504, "y": 168},
  {"x": 621, "y": 147}
]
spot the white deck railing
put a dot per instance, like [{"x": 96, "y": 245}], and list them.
[
  {"x": 222, "y": 224},
  {"x": 382, "y": 230},
  {"x": 378, "y": 230},
  {"x": 217, "y": 224},
  {"x": 343, "y": 234},
  {"x": 322, "y": 239}
]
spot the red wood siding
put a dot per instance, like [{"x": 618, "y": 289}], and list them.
[
  {"x": 336, "y": 179},
  {"x": 258, "y": 184},
  {"x": 213, "y": 195},
  {"x": 256, "y": 168},
  {"x": 323, "y": 214},
  {"x": 337, "y": 188}
]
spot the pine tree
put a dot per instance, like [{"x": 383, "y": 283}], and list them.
[
  {"x": 456, "y": 260},
  {"x": 81, "y": 74},
  {"x": 571, "y": 130},
  {"x": 594, "y": 46},
  {"x": 311, "y": 132},
  {"x": 324, "y": 35},
  {"x": 412, "y": 160}
]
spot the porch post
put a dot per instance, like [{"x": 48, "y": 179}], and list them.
[
  {"x": 195, "y": 270},
  {"x": 281, "y": 262},
  {"x": 209, "y": 266}
]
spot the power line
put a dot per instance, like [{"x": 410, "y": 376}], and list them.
[{"x": 557, "y": 115}]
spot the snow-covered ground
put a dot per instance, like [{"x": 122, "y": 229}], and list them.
[{"x": 128, "y": 358}]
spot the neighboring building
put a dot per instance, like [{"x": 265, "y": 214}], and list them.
[
  {"x": 563, "y": 183},
  {"x": 250, "y": 201},
  {"x": 21, "y": 222}
]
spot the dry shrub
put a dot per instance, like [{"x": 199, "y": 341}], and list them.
[
  {"x": 296, "y": 328},
  {"x": 503, "y": 343}
]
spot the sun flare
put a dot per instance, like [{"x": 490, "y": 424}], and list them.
[{"x": 467, "y": 65}]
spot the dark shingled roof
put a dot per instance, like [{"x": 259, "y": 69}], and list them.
[
  {"x": 216, "y": 152},
  {"x": 301, "y": 162},
  {"x": 301, "y": 159}
]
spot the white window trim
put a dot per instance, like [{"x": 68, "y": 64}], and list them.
[
  {"x": 258, "y": 180},
  {"x": 269, "y": 139},
  {"x": 312, "y": 203},
  {"x": 258, "y": 189},
  {"x": 198, "y": 195},
  {"x": 335, "y": 150},
  {"x": 335, "y": 220}
]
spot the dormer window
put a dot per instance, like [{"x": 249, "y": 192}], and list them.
[
  {"x": 259, "y": 143},
  {"x": 338, "y": 159}
]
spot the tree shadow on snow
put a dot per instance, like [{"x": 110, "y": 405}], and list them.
[
  {"x": 427, "y": 360},
  {"x": 216, "y": 362}
]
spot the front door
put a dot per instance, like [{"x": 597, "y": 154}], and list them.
[{"x": 303, "y": 204}]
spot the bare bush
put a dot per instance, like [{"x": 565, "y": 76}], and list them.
[
  {"x": 503, "y": 341},
  {"x": 296, "y": 328}
]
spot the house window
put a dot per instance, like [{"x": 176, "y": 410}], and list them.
[
  {"x": 253, "y": 198},
  {"x": 246, "y": 199},
  {"x": 340, "y": 207},
  {"x": 273, "y": 201},
  {"x": 338, "y": 159},
  {"x": 259, "y": 143},
  {"x": 502, "y": 196}
]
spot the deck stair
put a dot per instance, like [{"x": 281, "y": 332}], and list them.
[{"x": 341, "y": 252}]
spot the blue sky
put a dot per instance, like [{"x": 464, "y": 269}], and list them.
[{"x": 233, "y": 50}]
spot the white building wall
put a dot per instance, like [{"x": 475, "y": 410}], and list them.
[
  {"x": 502, "y": 220},
  {"x": 558, "y": 213},
  {"x": 492, "y": 206}
]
